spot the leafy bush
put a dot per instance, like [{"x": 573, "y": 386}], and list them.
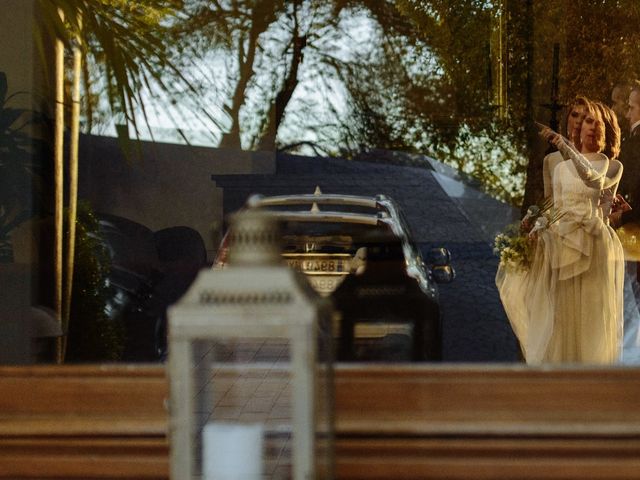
[
  {"x": 93, "y": 335},
  {"x": 19, "y": 167}
]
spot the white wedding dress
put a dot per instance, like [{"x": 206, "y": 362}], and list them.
[{"x": 568, "y": 306}]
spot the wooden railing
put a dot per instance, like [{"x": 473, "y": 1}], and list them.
[
  {"x": 83, "y": 423},
  {"x": 410, "y": 422},
  {"x": 488, "y": 423}
]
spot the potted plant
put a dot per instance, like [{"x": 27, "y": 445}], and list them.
[{"x": 19, "y": 167}]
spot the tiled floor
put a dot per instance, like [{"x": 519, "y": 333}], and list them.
[{"x": 247, "y": 383}]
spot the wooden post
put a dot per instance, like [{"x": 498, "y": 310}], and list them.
[{"x": 58, "y": 185}]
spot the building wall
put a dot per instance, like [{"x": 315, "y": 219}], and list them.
[
  {"x": 163, "y": 185},
  {"x": 17, "y": 52},
  {"x": 17, "y": 62}
]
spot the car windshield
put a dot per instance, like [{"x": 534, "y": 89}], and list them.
[
  {"x": 337, "y": 234},
  {"x": 338, "y": 237}
]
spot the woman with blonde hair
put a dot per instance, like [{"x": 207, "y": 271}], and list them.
[
  {"x": 573, "y": 121},
  {"x": 612, "y": 135},
  {"x": 567, "y": 307}
]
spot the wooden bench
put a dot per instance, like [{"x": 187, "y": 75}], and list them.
[{"x": 409, "y": 422}]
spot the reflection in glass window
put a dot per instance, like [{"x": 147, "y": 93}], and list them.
[{"x": 174, "y": 112}]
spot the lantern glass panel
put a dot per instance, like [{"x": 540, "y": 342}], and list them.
[
  {"x": 243, "y": 408},
  {"x": 243, "y": 395}
]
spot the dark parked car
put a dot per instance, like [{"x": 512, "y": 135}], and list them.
[
  {"x": 360, "y": 251},
  {"x": 149, "y": 271}
]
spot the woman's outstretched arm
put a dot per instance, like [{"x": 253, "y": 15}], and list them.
[{"x": 591, "y": 176}]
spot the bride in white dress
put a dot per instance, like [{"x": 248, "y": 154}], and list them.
[{"x": 567, "y": 307}]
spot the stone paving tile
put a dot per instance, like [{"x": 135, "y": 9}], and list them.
[
  {"x": 280, "y": 413},
  {"x": 269, "y": 388},
  {"x": 231, "y": 412},
  {"x": 258, "y": 393},
  {"x": 259, "y": 405}
]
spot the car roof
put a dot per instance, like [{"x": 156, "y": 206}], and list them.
[
  {"x": 259, "y": 200},
  {"x": 377, "y": 202},
  {"x": 320, "y": 216},
  {"x": 344, "y": 208}
]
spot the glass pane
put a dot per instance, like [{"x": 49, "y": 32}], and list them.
[
  {"x": 244, "y": 389},
  {"x": 244, "y": 410},
  {"x": 431, "y": 104}
]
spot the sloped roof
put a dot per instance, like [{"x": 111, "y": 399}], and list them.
[
  {"x": 432, "y": 214},
  {"x": 487, "y": 213}
]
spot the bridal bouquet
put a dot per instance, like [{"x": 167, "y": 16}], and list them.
[{"x": 516, "y": 244}]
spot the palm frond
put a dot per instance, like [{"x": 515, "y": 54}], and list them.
[{"x": 128, "y": 42}]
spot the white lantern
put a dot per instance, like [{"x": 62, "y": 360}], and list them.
[{"x": 250, "y": 367}]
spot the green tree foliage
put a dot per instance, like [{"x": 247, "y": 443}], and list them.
[
  {"x": 458, "y": 34},
  {"x": 126, "y": 49},
  {"x": 431, "y": 88},
  {"x": 524, "y": 79},
  {"x": 411, "y": 77},
  {"x": 460, "y": 80},
  {"x": 93, "y": 335},
  {"x": 383, "y": 85},
  {"x": 597, "y": 41},
  {"x": 20, "y": 172},
  {"x": 240, "y": 30},
  {"x": 601, "y": 45}
]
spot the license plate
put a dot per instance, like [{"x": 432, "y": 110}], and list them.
[
  {"x": 319, "y": 265},
  {"x": 380, "y": 330},
  {"x": 325, "y": 284}
]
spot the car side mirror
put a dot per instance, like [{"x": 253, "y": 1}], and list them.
[{"x": 443, "y": 273}]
